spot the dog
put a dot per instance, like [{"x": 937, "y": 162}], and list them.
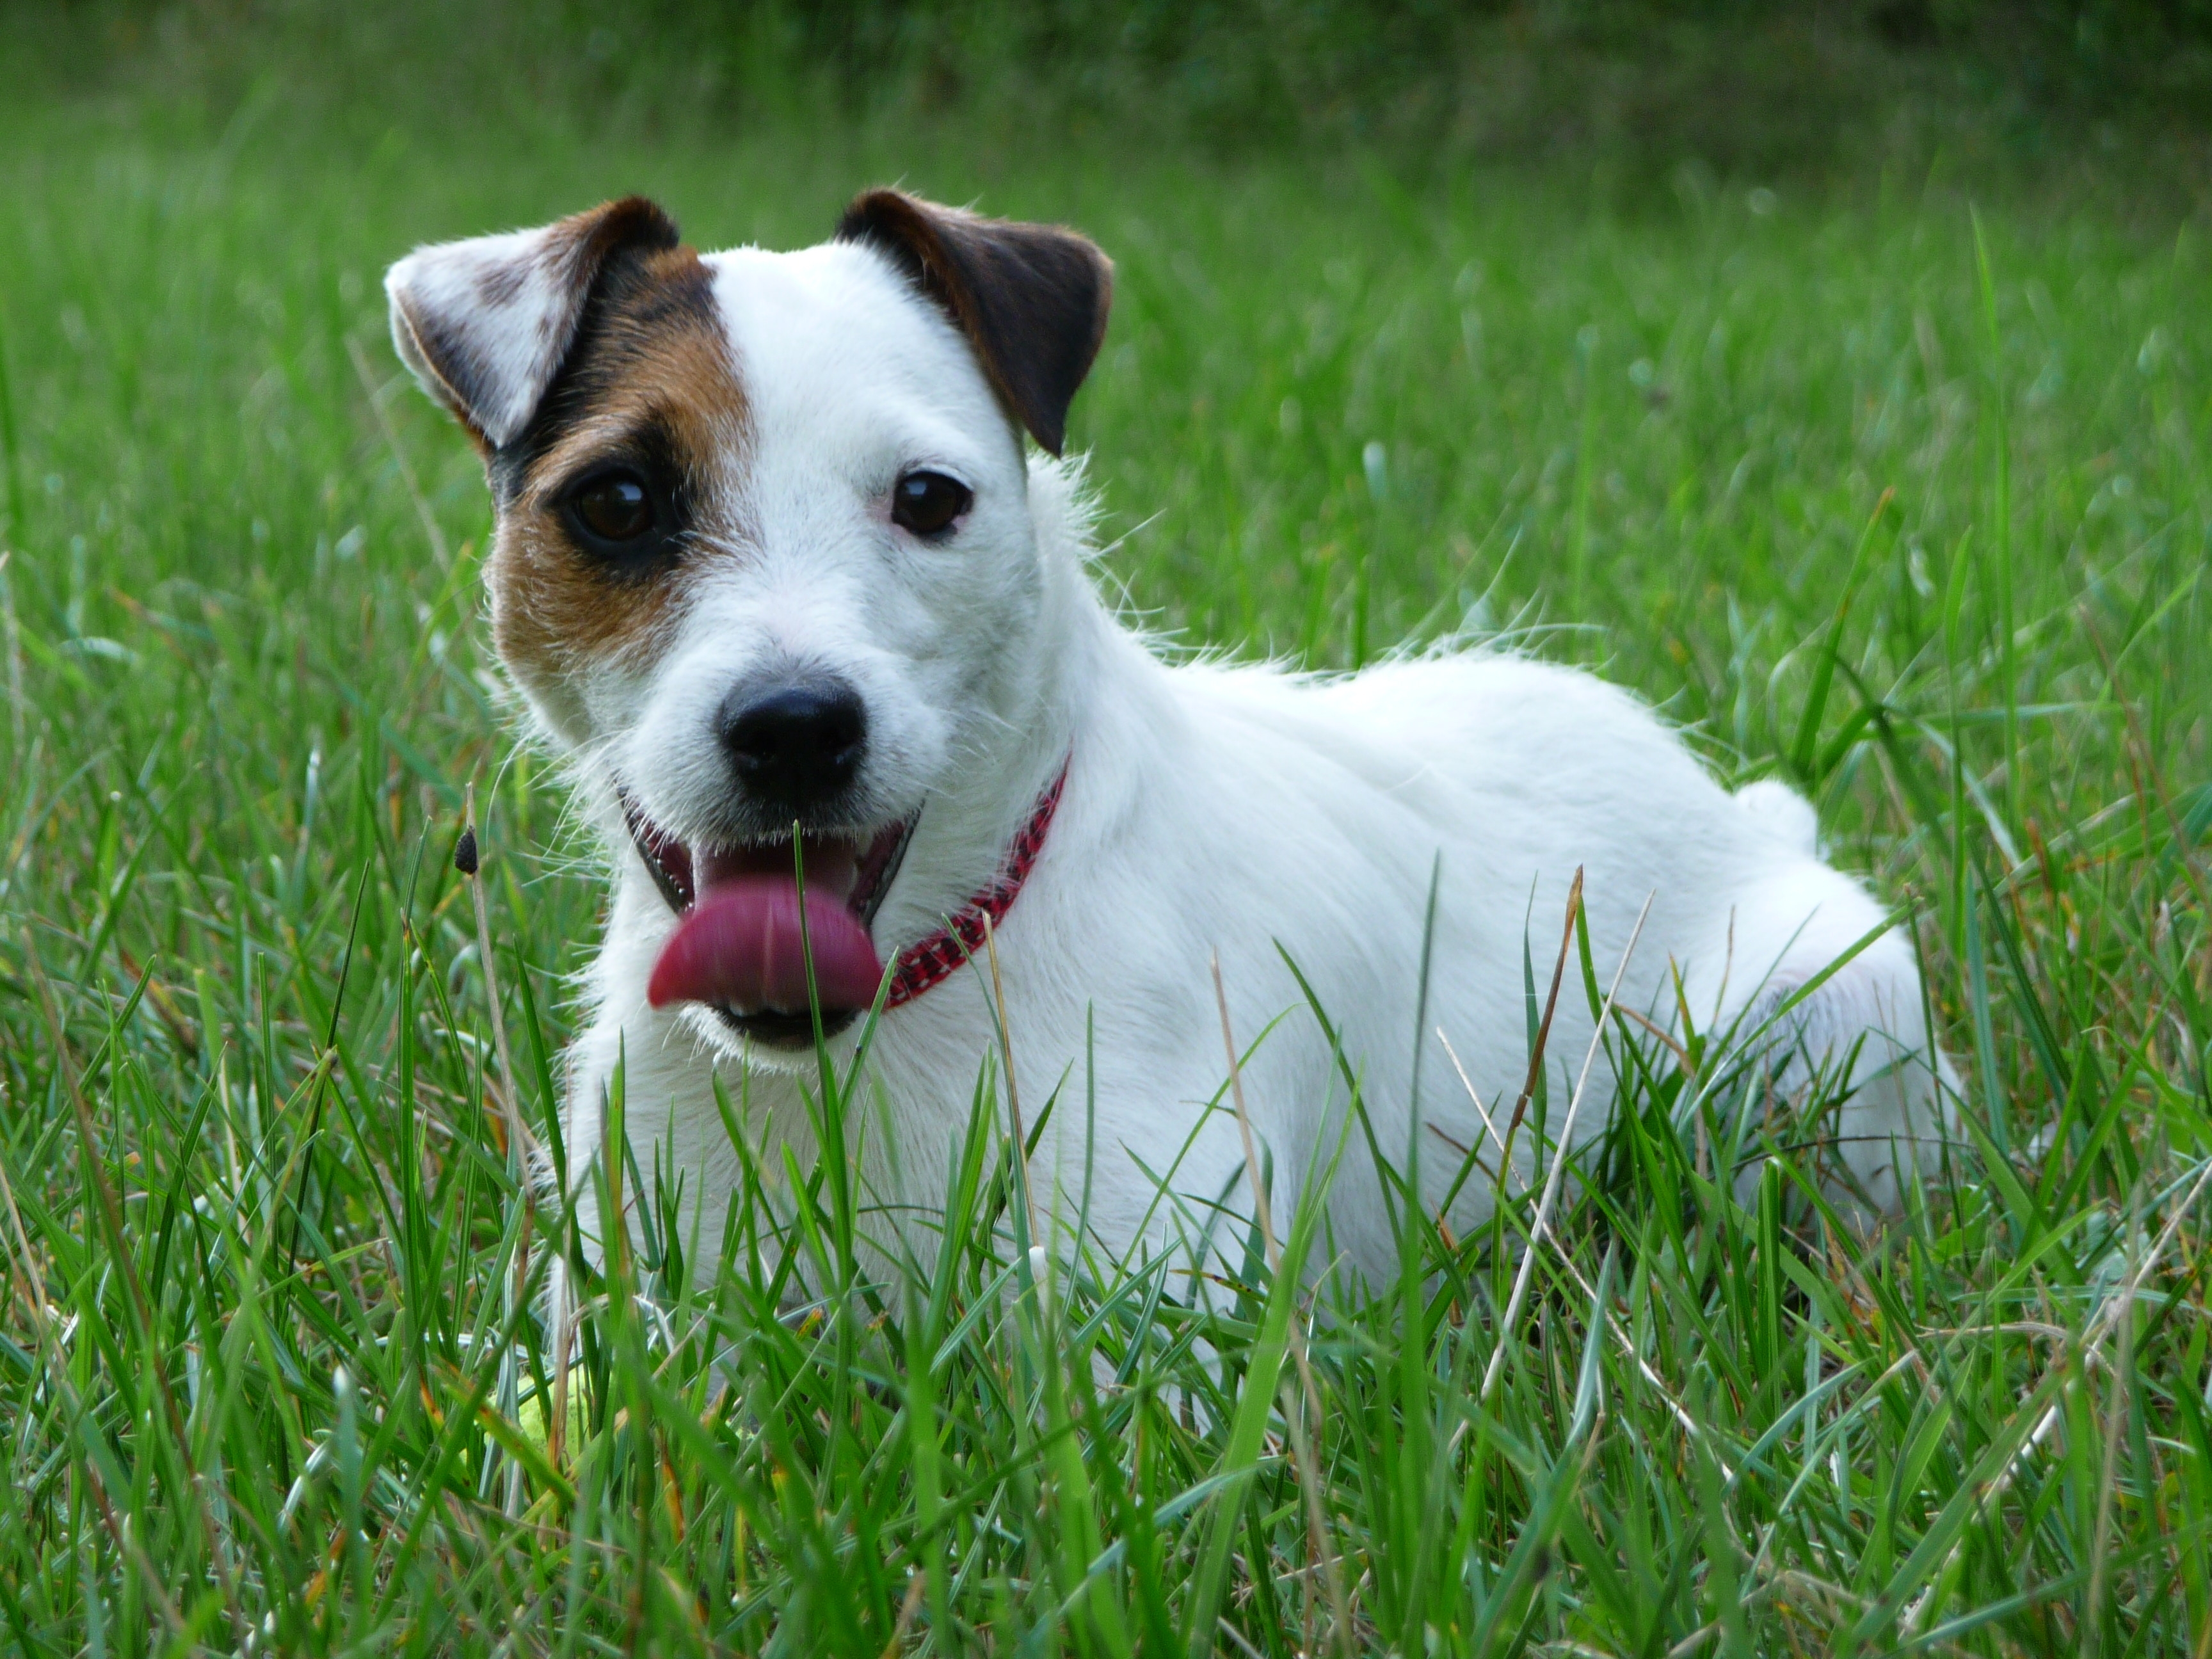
[{"x": 790, "y": 566}]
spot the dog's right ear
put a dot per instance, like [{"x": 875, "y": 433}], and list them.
[
  {"x": 1031, "y": 299},
  {"x": 486, "y": 323}
]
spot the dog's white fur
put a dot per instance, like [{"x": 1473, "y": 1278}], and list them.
[{"x": 1238, "y": 813}]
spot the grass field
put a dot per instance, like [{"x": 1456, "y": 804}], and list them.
[{"x": 1891, "y": 483}]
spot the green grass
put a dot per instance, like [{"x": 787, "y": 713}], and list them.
[{"x": 1911, "y": 513}]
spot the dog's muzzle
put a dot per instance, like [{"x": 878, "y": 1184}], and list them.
[{"x": 769, "y": 931}]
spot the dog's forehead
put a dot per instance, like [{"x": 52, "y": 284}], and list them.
[{"x": 825, "y": 334}]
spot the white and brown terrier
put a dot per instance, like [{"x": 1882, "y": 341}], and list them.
[{"x": 774, "y": 551}]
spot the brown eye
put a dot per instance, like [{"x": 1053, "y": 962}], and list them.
[
  {"x": 927, "y": 503},
  {"x": 614, "y": 507}
]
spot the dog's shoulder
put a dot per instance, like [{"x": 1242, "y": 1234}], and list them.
[{"x": 1501, "y": 692}]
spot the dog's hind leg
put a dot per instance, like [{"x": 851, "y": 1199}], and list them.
[{"x": 1822, "y": 1007}]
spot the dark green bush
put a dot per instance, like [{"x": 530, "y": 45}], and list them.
[{"x": 1740, "y": 85}]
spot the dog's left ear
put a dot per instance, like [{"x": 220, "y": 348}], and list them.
[
  {"x": 1031, "y": 299},
  {"x": 486, "y": 323}
]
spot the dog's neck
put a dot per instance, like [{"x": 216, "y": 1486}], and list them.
[{"x": 1050, "y": 674}]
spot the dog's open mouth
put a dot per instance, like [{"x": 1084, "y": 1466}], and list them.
[{"x": 744, "y": 938}]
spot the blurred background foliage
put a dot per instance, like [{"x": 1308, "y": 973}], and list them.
[{"x": 1638, "y": 87}]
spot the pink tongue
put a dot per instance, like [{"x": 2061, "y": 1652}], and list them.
[{"x": 740, "y": 945}]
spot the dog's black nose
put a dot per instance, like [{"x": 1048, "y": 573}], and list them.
[{"x": 798, "y": 745}]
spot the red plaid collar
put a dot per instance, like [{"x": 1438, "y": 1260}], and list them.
[{"x": 924, "y": 964}]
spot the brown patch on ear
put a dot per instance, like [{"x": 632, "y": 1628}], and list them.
[
  {"x": 502, "y": 285},
  {"x": 1032, "y": 299},
  {"x": 581, "y": 243},
  {"x": 648, "y": 385},
  {"x": 486, "y": 344}
]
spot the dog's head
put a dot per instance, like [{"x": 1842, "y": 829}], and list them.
[{"x": 766, "y": 553}]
